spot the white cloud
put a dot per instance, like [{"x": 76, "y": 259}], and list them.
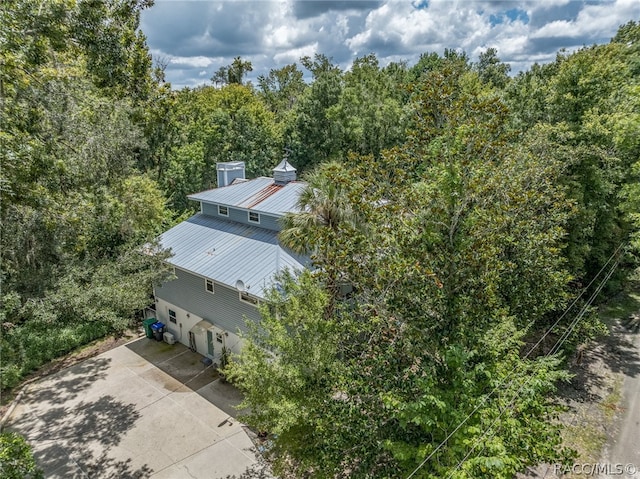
[
  {"x": 293, "y": 55},
  {"x": 197, "y": 37},
  {"x": 197, "y": 61}
]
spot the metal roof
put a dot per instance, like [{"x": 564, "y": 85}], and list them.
[
  {"x": 226, "y": 252},
  {"x": 260, "y": 194}
]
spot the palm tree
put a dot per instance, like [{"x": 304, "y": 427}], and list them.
[
  {"x": 326, "y": 211},
  {"x": 324, "y": 208}
]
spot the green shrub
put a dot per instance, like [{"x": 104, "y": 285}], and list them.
[
  {"x": 16, "y": 458},
  {"x": 30, "y": 345}
]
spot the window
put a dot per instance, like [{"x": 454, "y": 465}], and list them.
[
  {"x": 247, "y": 298},
  {"x": 208, "y": 285},
  {"x": 223, "y": 211},
  {"x": 254, "y": 217},
  {"x": 219, "y": 338},
  {"x": 172, "y": 316}
]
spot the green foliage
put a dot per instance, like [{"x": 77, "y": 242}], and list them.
[
  {"x": 580, "y": 110},
  {"x": 447, "y": 211},
  {"x": 16, "y": 458},
  {"x": 87, "y": 302},
  {"x": 360, "y": 111},
  {"x": 312, "y": 136},
  {"x": 281, "y": 88},
  {"x": 33, "y": 344},
  {"x": 491, "y": 70},
  {"x": 450, "y": 245},
  {"x": 217, "y": 125},
  {"x": 369, "y": 114},
  {"x": 232, "y": 74},
  {"x": 285, "y": 382},
  {"x": 75, "y": 208}
]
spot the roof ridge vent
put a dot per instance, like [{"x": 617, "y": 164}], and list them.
[{"x": 284, "y": 173}]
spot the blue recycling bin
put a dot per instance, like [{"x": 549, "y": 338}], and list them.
[{"x": 158, "y": 330}]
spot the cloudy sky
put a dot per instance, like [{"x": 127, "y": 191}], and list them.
[{"x": 195, "y": 38}]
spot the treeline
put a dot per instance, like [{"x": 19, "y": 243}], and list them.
[
  {"x": 77, "y": 108},
  {"x": 579, "y": 110},
  {"x": 461, "y": 207},
  {"x": 430, "y": 338}
]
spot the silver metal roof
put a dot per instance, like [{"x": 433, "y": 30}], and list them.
[
  {"x": 226, "y": 252},
  {"x": 260, "y": 194}
]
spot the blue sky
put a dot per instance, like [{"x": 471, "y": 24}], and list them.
[{"x": 195, "y": 38}]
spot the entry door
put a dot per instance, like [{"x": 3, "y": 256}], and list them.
[
  {"x": 210, "y": 342},
  {"x": 192, "y": 342}
]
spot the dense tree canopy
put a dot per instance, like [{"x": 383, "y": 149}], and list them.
[
  {"x": 447, "y": 274},
  {"x": 403, "y": 351},
  {"x": 75, "y": 207},
  {"x": 451, "y": 211}
]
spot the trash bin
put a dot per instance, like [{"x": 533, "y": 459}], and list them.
[
  {"x": 158, "y": 330},
  {"x": 146, "y": 324}
]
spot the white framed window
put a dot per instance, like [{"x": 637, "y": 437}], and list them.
[
  {"x": 254, "y": 217},
  {"x": 208, "y": 285},
  {"x": 223, "y": 210},
  {"x": 247, "y": 298},
  {"x": 172, "y": 316},
  {"x": 219, "y": 338}
]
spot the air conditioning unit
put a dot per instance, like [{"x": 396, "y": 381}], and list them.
[{"x": 169, "y": 338}]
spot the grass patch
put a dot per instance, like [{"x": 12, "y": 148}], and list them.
[
  {"x": 620, "y": 307},
  {"x": 611, "y": 404},
  {"x": 586, "y": 433},
  {"x": 587, "y": 439}
]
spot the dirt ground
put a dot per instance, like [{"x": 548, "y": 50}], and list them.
[{"x": 594, "y": 396}]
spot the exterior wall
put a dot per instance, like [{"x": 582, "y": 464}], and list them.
[
  {"x": 185, "y": 321},
  {"x": 183, "y": 324},
  {"x": 241, "y": 216},
  {"x": 222, "y": 308}
]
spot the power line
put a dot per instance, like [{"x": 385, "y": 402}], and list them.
[
  {"x": 501, "y": 383},
  {"x": 553, "y": 350}
]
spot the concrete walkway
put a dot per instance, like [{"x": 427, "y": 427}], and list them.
[{"x": 120, "y": 415}]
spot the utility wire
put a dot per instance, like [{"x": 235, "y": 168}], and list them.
[
  {"x": 553, "y": 350},
  {"x": 501, "y": 383}
]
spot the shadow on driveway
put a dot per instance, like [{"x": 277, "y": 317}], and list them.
[
  {"x": 147, "y": 409},
  {"x": 176, "y": 360},
  {"x": 185, "y": 366},
  {"x": 60, "y": 410}
]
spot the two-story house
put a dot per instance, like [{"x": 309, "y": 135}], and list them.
[{"x": 225, "y": 257}]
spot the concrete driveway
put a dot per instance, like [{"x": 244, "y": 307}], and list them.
[{"x": 145, "y": 409}]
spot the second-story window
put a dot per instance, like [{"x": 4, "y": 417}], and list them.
[
  {"x": 254, "y": 217},
  {"x": 223, "y": 211},
  {"x": 247, "y": 298},
  {"x": 208, "y": 285}
]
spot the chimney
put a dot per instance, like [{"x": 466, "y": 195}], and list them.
[
  {"x": 284, "y": 173},
  {"x": 229, "y": 171}
]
